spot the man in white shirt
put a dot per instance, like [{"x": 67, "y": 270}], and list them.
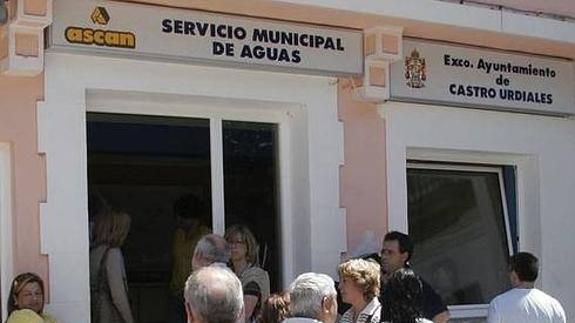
[
  {"x": 313, "y": 299},
  {"x": 525, "y": 303}
]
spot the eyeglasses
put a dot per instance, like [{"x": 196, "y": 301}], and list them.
[{"x": 236, "y": 242}]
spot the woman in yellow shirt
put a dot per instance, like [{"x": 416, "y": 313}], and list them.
[{"x": 26, "y": 300}]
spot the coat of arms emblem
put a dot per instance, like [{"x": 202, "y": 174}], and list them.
[{"x": 415, "y": 70}]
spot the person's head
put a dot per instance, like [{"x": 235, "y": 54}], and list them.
[
  {"x": 396, "y": 251},
  {"x": 313, "y": 296},
  {"x": 358, "y": 280},
  {"x": 274, "y": 309},
  {"x": 243, "y": 244},
  {"x": 210, "y": 249},
  {"x": 111, "y": 228},
  {"x": 402, "y": 300},
  {"x": 213, "y": 295},
  {"x": 26, "y": 292},
  {"x": 189, "y": 211},
  {"x": 523, "y": 267}
]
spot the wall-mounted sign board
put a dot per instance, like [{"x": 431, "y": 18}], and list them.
[
  {"x": 476, "y": 77},
  {"x": 175, "y": 34}
]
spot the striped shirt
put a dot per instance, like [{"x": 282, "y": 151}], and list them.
[{"x": 370, "y": 314}]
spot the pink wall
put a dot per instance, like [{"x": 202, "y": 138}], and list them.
[
  {"x": 363, "y": 177},
  {"x": 18, "y": 127}
]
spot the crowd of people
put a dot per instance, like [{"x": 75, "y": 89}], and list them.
[{"x": 225, "y": 284}]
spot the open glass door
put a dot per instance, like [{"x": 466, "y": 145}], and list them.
[{"x": 153, "y": 166}]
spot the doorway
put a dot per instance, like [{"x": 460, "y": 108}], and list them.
[{"x": 145, "y": 164}]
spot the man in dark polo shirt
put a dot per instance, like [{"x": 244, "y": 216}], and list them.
[{"x": 396, "y": 251}]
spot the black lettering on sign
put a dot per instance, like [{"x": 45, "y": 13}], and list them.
[{"x": 219, "y": 49}]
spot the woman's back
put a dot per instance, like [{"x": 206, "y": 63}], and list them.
[{"x": 108, "y": 285}]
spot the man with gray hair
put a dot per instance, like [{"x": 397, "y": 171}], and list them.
[
  {"x": 313, "y": 298},
  {"x": 214, "y": 295},
  {"x": 211, "y": 250}
]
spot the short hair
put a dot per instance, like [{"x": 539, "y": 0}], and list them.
[
  {"x": 364, "y": 273},
  {"x": 274, "y": 309},
  {"x": 213, "y": 248},
  {"x": 525, "y": 265},
  {"x": 248, "y": 238},
  {"x": 404, "y": 241},
  {"x": 111, "y": 228},
  {"x": 18, "y": 283},
  {"x": 307, "y": 292},
  {"x": 402, "y": 299},
  {"x": 215, "y": 294}
]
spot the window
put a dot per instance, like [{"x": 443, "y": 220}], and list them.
[
  {"x": 458, "y": 217},
  {"x": 145, "y": 165}
]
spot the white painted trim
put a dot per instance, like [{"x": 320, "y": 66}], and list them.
[
  {"x": 456, "y": 15},
  {"x": 469, "y": 311},
  {"x": 540, "y": 147},
  {"x": 6, "y": 251},
  {"x": 217, "y": 170},
  {"x": 216, "y": 111},
  {"x": 285, "y": 201},
  {"x": 304, "y": 107}
]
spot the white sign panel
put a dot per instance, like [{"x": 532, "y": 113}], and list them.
[
  {"x": 463, "y": 76},
  {"x": 156, "y": 32}
]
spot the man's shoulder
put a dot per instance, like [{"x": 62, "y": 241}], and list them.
[
  {"x": 519, "y": 300},
  {"x": 546, "y": 298},
  {"x": 517, "y": 294}
]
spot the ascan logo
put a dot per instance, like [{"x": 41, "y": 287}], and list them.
[
  {"x": 100, "y": 16},
  {"x": 100, "y": 37}
]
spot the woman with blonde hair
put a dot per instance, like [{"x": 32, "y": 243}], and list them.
[
  {"x": 108, "y": 283},
  {"x": 26, "y": 300},
  {"x": 244, "y": 262},
  {"x": 359, "y": 286}
]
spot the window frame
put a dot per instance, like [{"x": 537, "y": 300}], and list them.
[
  {"x": 470, "y": 310},
  {"x": 6, "y": 251},
  {"x": 216, "y": 112}
]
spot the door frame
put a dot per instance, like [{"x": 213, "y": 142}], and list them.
[
  {"x": 216, "y": 112},
  {"x": 310, "y": 167},
  {"x": 6, "y": 251}
]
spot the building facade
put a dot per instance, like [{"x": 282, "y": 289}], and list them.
[{"x": 319, "y": 124}]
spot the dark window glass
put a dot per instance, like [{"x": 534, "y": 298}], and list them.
[
  {"x": 457, "y": 222},
  {"x": 251, "y": 187},
  {"x": 143, "y": 165}
]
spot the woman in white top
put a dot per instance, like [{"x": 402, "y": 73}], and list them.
[
  {"x": 402, "y": 301},
  {"x": 359, "y": 286},
  {"x": 108, "y": 283}
]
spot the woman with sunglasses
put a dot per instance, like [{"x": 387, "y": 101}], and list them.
[{"x": 26, "y": 300}]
